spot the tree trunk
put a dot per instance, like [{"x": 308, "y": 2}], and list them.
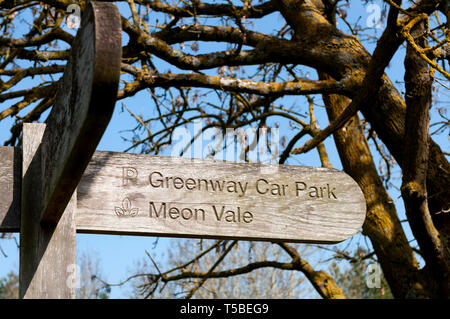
[{"x": 382, "y": 225}]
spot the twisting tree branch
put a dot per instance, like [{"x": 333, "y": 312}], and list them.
[
  {"x": 322, "y": 281},
  {"x": 385, "y": 50},
  {"x": 300, "y": 87}
]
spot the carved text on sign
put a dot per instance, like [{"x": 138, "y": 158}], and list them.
[
  {"x": 262, "y": 186},
  {"x": 181, "y": 197}
]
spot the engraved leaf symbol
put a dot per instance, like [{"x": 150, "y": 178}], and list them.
[
  {"x": 134, "y": 211},
  {"x": 126, "y": 210},
  {"x": 119, "y": 211},
  {"x": 126, "y": 204}
]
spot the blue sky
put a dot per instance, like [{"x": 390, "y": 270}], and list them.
[{"x": 118, "y": 254}]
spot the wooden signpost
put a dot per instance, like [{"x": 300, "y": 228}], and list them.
[
  {"x": 61, "y": 185},
  {"x": 166, "y": 196},
  {"x": 136, "y": 194}
]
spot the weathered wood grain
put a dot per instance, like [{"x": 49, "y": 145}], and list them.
[
  {"x": 260, "y": 202},
  {"x": 47, "y": 251},
  {"x": 83, "y": 107},
  {"x": 10, "y": 188}
]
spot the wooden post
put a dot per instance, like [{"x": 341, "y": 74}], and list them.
[
  {"x": 10, "y": 188},
  {"x": 55, "y": 155},
  {"x": 47, "y": 251},
  {"x": 83, "y": 106}
]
